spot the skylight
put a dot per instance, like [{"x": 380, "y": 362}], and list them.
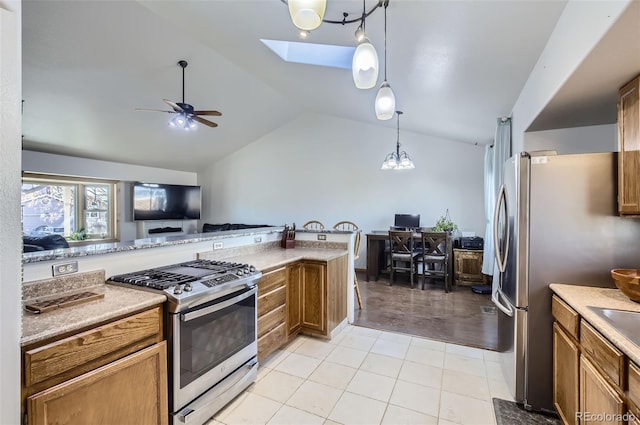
[{"x": 312, "y": 54}]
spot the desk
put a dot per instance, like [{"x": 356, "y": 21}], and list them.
[{"x": 377, "y": 258}]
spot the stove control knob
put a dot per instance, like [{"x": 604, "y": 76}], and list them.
[
  {"x": 188, "y": 287},
  {"x": 177, "y": 290},
  {"x": 252, "y": 269},
  {"x": 239, "y": 272}
]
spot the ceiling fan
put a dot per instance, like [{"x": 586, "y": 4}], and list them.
[{"x": 186, "y": 116}]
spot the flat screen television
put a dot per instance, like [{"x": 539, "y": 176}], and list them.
[
  {"x": 407, "y": 221},
  {"x": 154, "y": 201}
]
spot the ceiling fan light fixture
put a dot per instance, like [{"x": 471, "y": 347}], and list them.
[
  {"x": 364, "y": 66},
  {"x": 385, "y": 102},
  {"x": 307, "y": 14}
]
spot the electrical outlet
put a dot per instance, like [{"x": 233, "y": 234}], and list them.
[
  {"x": 65, "y": 268},
  {"x": 322, "y": 237},
  {"x": 257, "y": 239},
  {"x": 217, "y": 245}
]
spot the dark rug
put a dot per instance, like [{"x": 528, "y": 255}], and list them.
[{"x": 509, "y": 413}]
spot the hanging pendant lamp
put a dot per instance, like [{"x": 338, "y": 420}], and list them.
[
  {"x": 385, "y": 99},
  {"x": 307, "y": 14},
  {"x": 364, "y": 65}
]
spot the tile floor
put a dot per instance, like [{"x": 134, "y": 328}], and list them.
[{"x": 367, "y": 376}]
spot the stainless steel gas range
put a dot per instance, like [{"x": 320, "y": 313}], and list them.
[{"x": 211, "y": 329}]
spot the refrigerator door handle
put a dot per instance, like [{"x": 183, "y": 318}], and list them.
[
  {"x": 500, "y": 258},
  {"x": 496, "y": 295}
]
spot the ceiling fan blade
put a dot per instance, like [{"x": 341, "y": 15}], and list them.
[
  {"x": 205, "y": 122},
  {"x": 155, "y": 110},
  {"x": 173, "y": 105},
  {"x": 213, "y": 113}
]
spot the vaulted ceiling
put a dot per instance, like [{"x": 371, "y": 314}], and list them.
[{"x": 455, "y": 66}]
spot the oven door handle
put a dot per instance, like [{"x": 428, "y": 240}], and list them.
[{"x": 194, "y": 314}]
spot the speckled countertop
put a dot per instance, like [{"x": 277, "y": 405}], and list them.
[
  {"x": 119, "y": 301},
  {"x": 580, "y": 297},
  {"x": 277, "y": 257}
]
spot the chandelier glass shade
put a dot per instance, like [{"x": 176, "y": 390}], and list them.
[
  {"x": 364, "y": 66},
  {"x": 397, "y": 160},
  {"x": 184, "y": 122},
  {"x": 307, "y": 14}
]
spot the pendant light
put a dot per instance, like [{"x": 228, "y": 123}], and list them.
[
  {"x": 385, "y": 99},
  {"x": 364, "y": 65},
  {"x": 307, "y": 14},
  {"x": 397, "y": 160}
]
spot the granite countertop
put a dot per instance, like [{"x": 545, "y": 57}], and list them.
[
  {"x": 580, "y": 297},
  {"x": 117, "y": 301},
  {"x": 107, "y": 248}
]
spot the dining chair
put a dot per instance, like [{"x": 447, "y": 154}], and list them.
[
  {"x": 313, "y": 225},
  {"x": 402, "y": 257},
  {"x": 435, "y": 257},
  {"x": 349, "y": 225}
]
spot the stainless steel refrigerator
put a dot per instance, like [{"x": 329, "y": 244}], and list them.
[{"x": 555, "y": 222}]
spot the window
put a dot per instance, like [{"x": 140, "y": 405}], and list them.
[{"x": 77, "y": 209}]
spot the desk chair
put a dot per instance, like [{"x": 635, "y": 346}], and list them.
[
  {"x": 435, "y": 257},
  {"x": 313, "y": 225},
  {"x": 401, "y": 254},
  {"x": 348, "y": 225}
]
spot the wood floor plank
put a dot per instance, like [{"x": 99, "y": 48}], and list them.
[{"x": 461, "y": 316}]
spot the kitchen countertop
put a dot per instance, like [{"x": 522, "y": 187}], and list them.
[
  {"x": 580, "y": 297},
  {"x": 119, "y": 301}
]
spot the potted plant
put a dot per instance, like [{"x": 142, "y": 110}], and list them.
[{"x": 444, "y": 224}]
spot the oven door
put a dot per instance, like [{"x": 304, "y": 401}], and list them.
[{"x": 211, "y": 341}]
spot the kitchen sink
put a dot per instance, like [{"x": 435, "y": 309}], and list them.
[{"x": 625, "y": 322}]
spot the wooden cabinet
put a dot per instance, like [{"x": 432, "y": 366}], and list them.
[
  {"x": 467, "y": 269},
  {"x": 597, "y": 396},
  {"x": 294, "y": 298},
  {"x": 124, "y": 362},
  {"x": 132, "y": 390},
  {"x": 272, "y": 314},
  {"x": 593, "y": 381},
  {"x": 566, "y": 358},
  {"x": 314, "y": 296},
  {"x": 629, "y": 148}
]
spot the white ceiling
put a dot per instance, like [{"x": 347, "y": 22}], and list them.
[{"x": 455, "y": 66}]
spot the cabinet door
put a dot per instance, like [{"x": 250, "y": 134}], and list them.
[
  {"x": 294, "y": 298},
  {"x": 136, "y": 384},
  {"x": 314, "y": 296},
  {"x": 566, "y": 363},
  {"x": 597, "y": 398},
  {"x": 629, "y": 148}
]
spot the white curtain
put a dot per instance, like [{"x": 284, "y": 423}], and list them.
[{"x": 493, "y": 174}]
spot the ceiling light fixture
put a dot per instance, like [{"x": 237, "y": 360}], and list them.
[
  {"x": 308, "y": 15},
  {"x": 385, "y": 99},
  {"x": 397, "y": 160}
]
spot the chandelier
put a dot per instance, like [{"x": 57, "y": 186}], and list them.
[{"x": 397, "y": 160}]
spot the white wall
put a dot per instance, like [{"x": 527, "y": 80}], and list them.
[
  {"x": 327, "y": 168},
  {"x": 580, "y": 27},
  {"x": 39, "y": 162},
  {"x": 10, "y": 241},
  {"x": 595, "y": 138}
]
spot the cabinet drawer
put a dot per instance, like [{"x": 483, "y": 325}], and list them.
[
  {"x": 270, "y": 320},
  {"x": 271, "y": 341},
  {"x": 97, "y": 345},
  {"x": 566, "y": 316},
  {"x": 271, "y": 280},
  {"x": 271, "y": 300},
  {"x": 634, "y": 389},
  {"x": 603, "y": 354}
]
